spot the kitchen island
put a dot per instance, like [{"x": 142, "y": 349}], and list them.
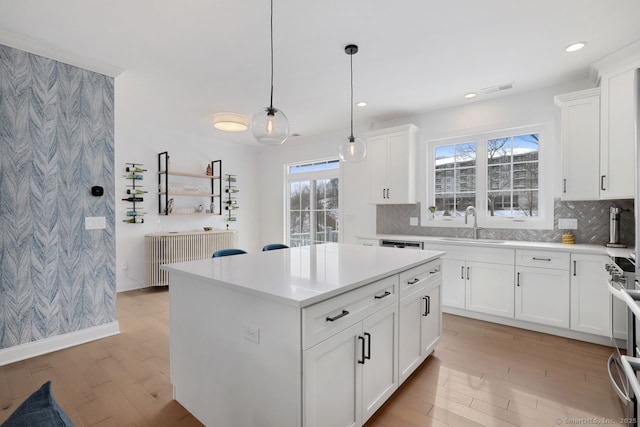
[{"x": 315, "y": 336}]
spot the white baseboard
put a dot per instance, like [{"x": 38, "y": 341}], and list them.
[
  {"x": 551, "y": 330},
  {"x": 59, "y": 342}
]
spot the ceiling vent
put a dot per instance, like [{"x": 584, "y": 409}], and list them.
[{"x": 498, "y": 88}]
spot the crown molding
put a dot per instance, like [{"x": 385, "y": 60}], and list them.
[
  {"x": 41, "y": 48},
  {"x": 581, "y": 94},
  {"x": 619, "y": 58}
]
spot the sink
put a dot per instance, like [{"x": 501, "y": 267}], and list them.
[{"x": 464, "y": 240}]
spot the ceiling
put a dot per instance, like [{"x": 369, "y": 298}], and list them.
[{"x": 415, "y": 55}]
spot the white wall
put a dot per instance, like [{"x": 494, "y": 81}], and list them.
[
  {"x": 535, "y": 107},
  {"x": 152, "y": 114},
  {"x": 358, "y": 217}
]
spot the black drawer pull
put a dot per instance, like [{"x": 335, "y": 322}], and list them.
[
  {"x": 541, "y": 259},
  {"x": 413, "y": 282},
  {"x": 386, "y": 294},
  {"x": 434, "y": 271},
  {"x": 361, "y": 361},
  {"x": 602, "y": 183},
  {"x": 334, "y": 318}
]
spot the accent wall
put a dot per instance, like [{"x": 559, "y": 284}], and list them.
[{"x": 56, "y": 142}]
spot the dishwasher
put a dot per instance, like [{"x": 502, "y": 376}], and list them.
[{"x": 402, "y": 244}]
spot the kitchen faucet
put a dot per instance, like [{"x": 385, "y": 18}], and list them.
[{"x": 472, "y": 209}]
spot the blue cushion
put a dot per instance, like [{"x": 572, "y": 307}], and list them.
[{"x": 39, "y": 410}]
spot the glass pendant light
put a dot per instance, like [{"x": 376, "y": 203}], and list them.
[
  {"x": 270, "y": 125},
  {"x": 352, "y": 149}
]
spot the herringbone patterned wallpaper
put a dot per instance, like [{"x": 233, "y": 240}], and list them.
[{"x": 56, "y": 142}]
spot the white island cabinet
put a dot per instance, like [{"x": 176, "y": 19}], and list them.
[{"x": 310, "y": 336}]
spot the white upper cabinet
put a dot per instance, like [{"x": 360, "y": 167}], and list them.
[
  {"x": 580, "y": 136},
  {"x": 391, "y": 158},
  {"x": 617, "y": 133}
]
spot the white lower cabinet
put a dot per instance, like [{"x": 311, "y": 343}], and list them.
[
  {"x": 350, "y": 375},
  {"x": 489, "y": 288},
  {"x": 590, "y": 300},
  {"x": 332, "y": 394},
  {"x": 453, "y": 282},
  {"x": 420, "y": 327},
  {"x": 542, "y": 287},
  {"x": 351, "y": 367}
]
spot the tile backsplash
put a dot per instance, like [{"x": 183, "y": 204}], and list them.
[{"x": 593, "y": 223}]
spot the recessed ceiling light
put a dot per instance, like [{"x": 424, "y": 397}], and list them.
[
  {"x": 230, "y": 122},
  {"x": 470, "y": 95},
  {"x": 361, "y": 104},
  {"x": 575, "y": 46}
]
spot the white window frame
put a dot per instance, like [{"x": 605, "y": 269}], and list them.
[
  {"x": 314, "y": 175},
  {"x": 544, "y": 220}
]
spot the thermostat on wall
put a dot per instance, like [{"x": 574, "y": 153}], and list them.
[{"x": 96, "y": 190}]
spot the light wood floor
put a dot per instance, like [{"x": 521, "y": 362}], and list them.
[{"x": 480, "y": 374}]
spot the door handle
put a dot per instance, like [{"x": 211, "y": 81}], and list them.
[
  {"x": 368, "y": 355},
  {"x": 361, "y": 361},
  {"x": 574, "y": 267},
  {"x": 383, "y": 195},
  {"x": 462, "y": 272},
  {"x": 518, "y": 280},
  {"x": 427, "y": 305},
  {"x": 564, "y": 185},
  {"x": 602, "y": 183},
  {"x": 468, "y": 275}
]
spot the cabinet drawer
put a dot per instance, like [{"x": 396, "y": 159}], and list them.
[
  {"x": 420, "y": 276},
  {"x": 556, "y": 260},
  {"x": 491, "y": 254},
  {"x": 323, "y": 320}
]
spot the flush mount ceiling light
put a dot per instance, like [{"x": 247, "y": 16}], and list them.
[
  {"x": 230, "y": 122},
  {"x": 470, "y": 95},
  {"x": 269, "y": 125},
  {"x": 352, "y": 150},
  {"x": 575, "y": 46}
]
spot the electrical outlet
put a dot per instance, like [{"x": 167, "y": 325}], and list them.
[
  {"x": 252, "y": 334},
  {"x": 568, "y": 223},
  {"x": 413, "y": 220}
]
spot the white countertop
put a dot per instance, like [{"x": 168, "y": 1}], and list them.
[
  {"x": 510, "y": 244},
  {"x": 306, "y": 275}
]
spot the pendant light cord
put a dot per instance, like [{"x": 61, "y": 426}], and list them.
[
  {"x": 271, "y": 99},
  {"x": 351, "y": 57}
]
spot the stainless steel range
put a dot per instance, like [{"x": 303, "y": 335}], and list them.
[{"x": 625, "y": 314}]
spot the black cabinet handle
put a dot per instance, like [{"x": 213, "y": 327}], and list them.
[
  {"x": 575, "y": 269},
  {"x": 564, "y": 185},
  {"x": 468, "y": 275},
  {"x": 435, "y": 270},
  {"x": 413, "y": 282},
  {"x": 388, "y": 195},
  {"x": 602, "y": 183},
  {"x": 541, "y": 259},
  {"x": 334, "y": 318},
  {"x": 518, "y": 280},
  {"x": 361, "y": 361},
  {"x": 386, "y": 294},
  {"x": 383, "y": 196},
  {"x": 368, "y": 355},
  {"x": 427, "y": 305},
  {"x": 462, "y": 272}
]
